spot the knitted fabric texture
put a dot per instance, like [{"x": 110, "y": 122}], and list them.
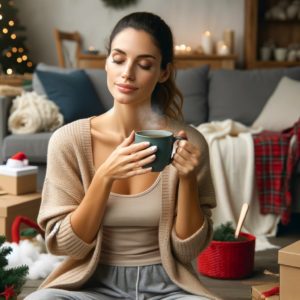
[
  {"x": 32, "y": 113},
  {"x": 70, "y": 153}
]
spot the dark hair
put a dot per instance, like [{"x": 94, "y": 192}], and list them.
[{"x": 165, "y": 95}]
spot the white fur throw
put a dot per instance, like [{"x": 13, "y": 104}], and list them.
[{"x": 32, "y": 113}]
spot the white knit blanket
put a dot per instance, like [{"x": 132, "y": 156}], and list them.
[
  {"x": 32, "y": 113},
  {"x": 232, "y": 164}
]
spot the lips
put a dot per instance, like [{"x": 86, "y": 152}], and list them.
[{"x": 126, "y": 88}]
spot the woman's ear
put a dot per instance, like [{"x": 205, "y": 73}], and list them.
[{"x": 165, "y": 74}]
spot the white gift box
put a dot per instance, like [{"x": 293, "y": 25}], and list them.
[{"x": 18, "y": 181}]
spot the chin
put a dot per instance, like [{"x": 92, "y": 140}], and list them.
[{"x": 125, "y": 98}]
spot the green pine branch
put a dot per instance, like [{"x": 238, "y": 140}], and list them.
[
  {"x": 224, "y": 232},
  {"x": 15, "y": 276}
]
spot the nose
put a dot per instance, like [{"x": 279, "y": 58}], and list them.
[{"x": 128, "y": 72}]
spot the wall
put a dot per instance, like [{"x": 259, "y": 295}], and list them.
[{"x": 188, "y": 19}]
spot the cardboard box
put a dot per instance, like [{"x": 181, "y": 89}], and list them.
[
  {"x": 18, "y": 181},
  {"x": 11, "y": 206},
  {"x": 257, "y": 291},
  {"x": 289, "y": 261}
]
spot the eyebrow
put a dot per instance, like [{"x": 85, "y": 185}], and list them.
[{"x": 139, "y": 56}]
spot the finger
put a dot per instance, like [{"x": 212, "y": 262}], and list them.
[
  {"x": 179, "y": 159},
  {"x": 182, "y": 134},
  {"x": 129, "y": 140},
  {"x": 179, "y": 167},
  {"x": 183, "y": 169},
  {"x": 141, "y": 163},
  {"x": 142, "y": 154},
  {"x": 187, "y": 155},
  {"x": 183, "y": 153},
  {"x": 188, "y": 146},
  {"x": 139, "y": 171},
  {"x": 135, "y": 147},
  {"x": 187, "y": 166}
]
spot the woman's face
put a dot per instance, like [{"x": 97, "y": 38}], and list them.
[{"x": 133, "y": 67}]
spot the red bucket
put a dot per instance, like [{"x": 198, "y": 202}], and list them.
[{"x": 228, "y": 260}]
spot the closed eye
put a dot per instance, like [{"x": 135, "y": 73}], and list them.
[
  {"x": 117, "y": 61},
  {"x": 144, "y": 67}
]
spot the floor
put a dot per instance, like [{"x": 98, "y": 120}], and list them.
[{"x": 238, "y": 289}]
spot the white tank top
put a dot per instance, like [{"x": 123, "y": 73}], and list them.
[{"x": 130, "y": 228}]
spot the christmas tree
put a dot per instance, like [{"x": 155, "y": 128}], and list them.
[
  {"x": 13, "y": 52},
  {"x": 11, "y": 279}
]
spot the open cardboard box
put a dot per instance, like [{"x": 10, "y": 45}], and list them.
[
  {"x": 257, "y": 291},
  {"x": 18, "y": 181},
  {"x": 12, "y": 206},
  {"x": 289, "y": 261}
]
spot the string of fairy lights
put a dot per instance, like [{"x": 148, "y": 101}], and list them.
[{"x": 14, "y": 52}]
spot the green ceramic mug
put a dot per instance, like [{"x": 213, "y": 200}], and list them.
[{"x": 164, "y": 140}]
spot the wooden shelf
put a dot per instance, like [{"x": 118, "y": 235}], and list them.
[
  {"x": 282, "y": 22},
  {"x": 182, "y": 61},
  {"x": 15, "y": 80},
  {"x": 272, "y": 64},
  {"x": 258, "y": 31}
]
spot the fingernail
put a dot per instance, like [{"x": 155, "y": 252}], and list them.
[
  {"x": 146, "y": 143},
  {"x": 154, "y": 148}
]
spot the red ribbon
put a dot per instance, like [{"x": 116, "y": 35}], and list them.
[{"x": 271, "y": 292}]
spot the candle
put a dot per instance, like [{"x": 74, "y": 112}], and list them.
[
  {"x": 228, "y": 38},
  {"x": 91, "y": 50},
  {"x": 222, "y": 48},
  {"x": 182, "y": 49},
  {"x": 206, "y": 42}
]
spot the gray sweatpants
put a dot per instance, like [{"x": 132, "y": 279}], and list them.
[{"x": 130, "y": 283}]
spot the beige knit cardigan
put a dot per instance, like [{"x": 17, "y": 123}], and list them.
[{"x": 69, "y": 173}]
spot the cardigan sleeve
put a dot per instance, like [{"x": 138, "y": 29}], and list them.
[
  {"x": 185, "y": 250},
  {"x": 62, "y": 192},
  {"x": 54, "y": 217}
]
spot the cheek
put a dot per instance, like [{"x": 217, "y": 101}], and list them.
[
  {"x": 150, "y": 81},
  {"x": 110, "y": 77}
]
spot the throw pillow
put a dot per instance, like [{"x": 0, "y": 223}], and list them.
[
  {"x": 73, "y": 93},
  {"x": 241, "y": 94},
  {"x": 282, "y": 109},
  {"x": 193, "y": 85},
  {"x": 97, "y": 77}
]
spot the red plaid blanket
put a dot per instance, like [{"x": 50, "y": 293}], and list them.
[{"x": 275, "y": 159}]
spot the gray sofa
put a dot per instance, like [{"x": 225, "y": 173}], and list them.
[{"x": 209, "y": 95}]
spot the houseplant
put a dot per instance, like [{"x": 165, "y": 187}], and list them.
[{"x": 227, "y": 257}]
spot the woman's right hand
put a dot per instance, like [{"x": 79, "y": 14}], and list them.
[{"x": 128, "y": 160}]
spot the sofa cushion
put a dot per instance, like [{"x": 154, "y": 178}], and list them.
[
  {"x": 282, "y": 109},
  {"x": 97, "y": 76},
  {"x": 73, "y": 93},
  {"x": 241, "y": 94},
  {"x": 34, "y": 145},
  {"x": 193, "y": 85}
]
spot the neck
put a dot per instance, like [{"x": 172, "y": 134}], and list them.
[{"x": 127, "y": 118}]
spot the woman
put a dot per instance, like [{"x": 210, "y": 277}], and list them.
[{"x": 127, "y": 232}]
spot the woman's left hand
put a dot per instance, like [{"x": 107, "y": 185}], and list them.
[{"x": 187, "y": 157}]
